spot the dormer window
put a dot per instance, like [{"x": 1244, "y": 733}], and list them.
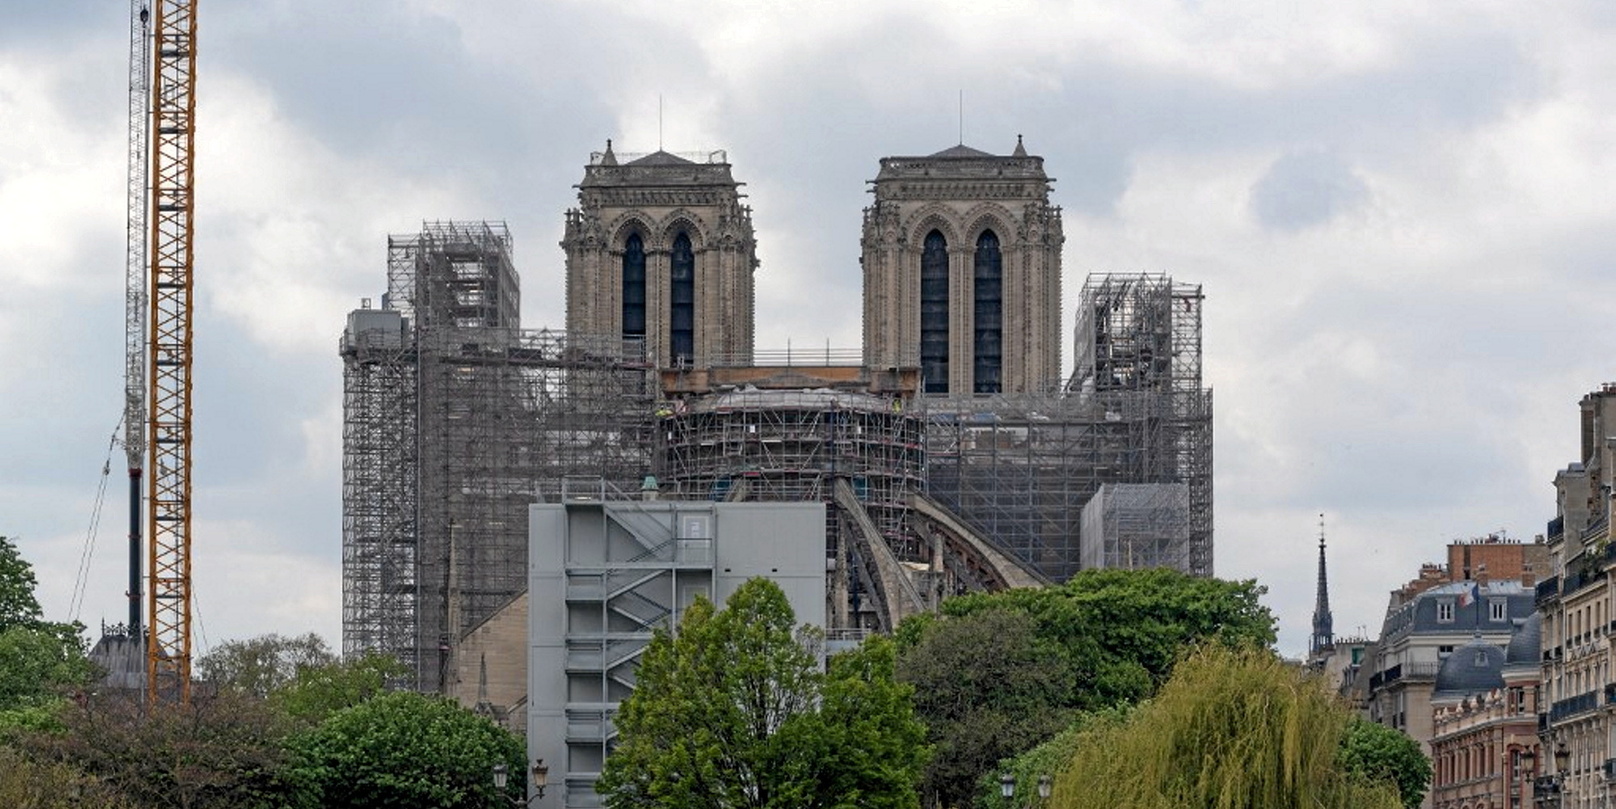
[{"x": 1444, "y": 611}]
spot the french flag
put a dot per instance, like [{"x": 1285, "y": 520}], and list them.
[{"x": 1469, "y": 594}]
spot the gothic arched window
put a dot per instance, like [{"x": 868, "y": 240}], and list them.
[
  {"x": 634, "y": 287},
  {"x": 934, "y": 313},
  {"x": 682, "y": 315},
  {"x": 989, "y": 314}
]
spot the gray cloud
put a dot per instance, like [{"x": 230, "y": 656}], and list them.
[{"x": 1303, "y": 189}]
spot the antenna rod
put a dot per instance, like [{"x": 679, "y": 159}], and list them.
[
  {"x": 659, "y": 122},
  {"x": 962, "y": 116}
]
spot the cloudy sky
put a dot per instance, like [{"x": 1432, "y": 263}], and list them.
[{"x": 1400, "y": 213}]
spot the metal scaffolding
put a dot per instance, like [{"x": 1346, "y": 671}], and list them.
[
  {"x": 1020, "y": 467},
  {"x": 1137, "y": 525},
  {"x": 455, "y": 420},
  {"x": 794, "y": 445}
]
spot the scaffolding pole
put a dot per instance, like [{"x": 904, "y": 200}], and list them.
[
  {"x": 453, "y": 433},
  {"x": 1020, "y": 468}
]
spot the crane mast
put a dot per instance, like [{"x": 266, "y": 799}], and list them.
[
  {"x": 134, "y": 391},
  {"x": 173, "y": 134}
]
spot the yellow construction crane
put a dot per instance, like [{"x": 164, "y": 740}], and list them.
[{"x": 169, "y": 343}]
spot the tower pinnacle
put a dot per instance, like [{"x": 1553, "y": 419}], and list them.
[{"x": 1323, "y": 637}]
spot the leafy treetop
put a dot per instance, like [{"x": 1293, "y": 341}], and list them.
[
  {"x": 732, "y": 712},
  {"x": 18, "y": 606},
  {"x": 406, "y": 749},
  {"x": 262, "y": 664},
  {"x": 1383, "y": 754}
]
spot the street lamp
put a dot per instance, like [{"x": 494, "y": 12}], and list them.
[
  {"x": 1007, "y": 786},
  {"x": 1045, "y": 786},
  {"x": 541, "y": 779},
  {"x": 1526, "y": 774}
]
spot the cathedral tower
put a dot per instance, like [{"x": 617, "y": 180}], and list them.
[
  {"x": 962, "y": 271},
  {"x": 661, "y": 248},
  {"x": 1323, "y": 634}
]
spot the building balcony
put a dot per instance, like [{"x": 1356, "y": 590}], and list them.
[
  {"x": 1572, "y": 706},
  {"x": 1579, "y": 579},
  {"x": 1548, "y": 590}
]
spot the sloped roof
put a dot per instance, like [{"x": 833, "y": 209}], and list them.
[
  {"x": 1525, "y": 647},
  {"x": 962, "y": 151},
  {"x": 661, "y": 158}
]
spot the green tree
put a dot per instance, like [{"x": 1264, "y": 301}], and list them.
[
  {"x": 1231, "y": 729},
  {"x": 262, "y": 664},
  {"x": 988, "y": 688},
  {"x": 18, "y": 606},
  {"x": 406, "y": 749},
  {"x": 29, "y": 784},
  {"x": 39, "y": 659},
  {"x": 316, "y": 692},
  {"x": 1380, "y": 753},
  {"x": 220, "y": 751},
  {"x": 1045, "y": 760},
  {"x": 1124, "y": 629},
  {"x": 999, "y": 673},
  {"x": 732, "y": 711},
  {"x": 38, "y": 663}
]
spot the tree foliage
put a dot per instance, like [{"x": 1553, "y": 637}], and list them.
[
  {"x": 1231, "y": 729},
  {"x": 39, "y": 659},
  {"x": 406, "y": 749},
  {"x": 221, "y": 751},
  {"x": 732, "y": 711},
  {"x": 318, "y": 691},
  {"x": 18, "y": 606},
  {"x": 29, "y": 784},
  {"x": 999, "y": 673},
  {"x": 1046, "y": 759},
  {"x": 38, "y": 663},
  {"x": 263, "y": 664},
  {"x": 1122, "y": 630},
  {"x": 1380, "y": 753},
  {"x": 988, "y": 688}
]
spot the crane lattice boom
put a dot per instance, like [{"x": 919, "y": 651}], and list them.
[
  {"x": 134, "y": 392},
  {"x": 173, "y": 131}
]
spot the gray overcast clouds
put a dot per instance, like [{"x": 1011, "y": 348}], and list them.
[{"x": 1401, "y": 214}]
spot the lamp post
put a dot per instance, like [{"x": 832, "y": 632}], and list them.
[
  {"x": 541, "y": 779},
  {"x": 1526, "y": 773},
  {"x": 1562, "y": 762},
  {"x": 1007, "y": 788}
]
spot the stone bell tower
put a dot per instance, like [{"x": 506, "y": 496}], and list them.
[
  {"x": 962, "y": 271},
  {"x": 661, "y": 248}
]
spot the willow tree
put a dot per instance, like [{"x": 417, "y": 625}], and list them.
[{"x": 1231, "y": 729}]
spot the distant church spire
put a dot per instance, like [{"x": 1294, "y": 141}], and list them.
[{"x": 1323, "y": 637}]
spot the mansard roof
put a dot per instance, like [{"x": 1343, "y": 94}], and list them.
[
  {"x": 1422, "y": 616},
  {"x": 1526, "y": 646},
  {"x": 1475, "y": 668}
]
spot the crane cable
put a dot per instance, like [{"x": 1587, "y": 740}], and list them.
[{"x": 81, "y": 582}]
